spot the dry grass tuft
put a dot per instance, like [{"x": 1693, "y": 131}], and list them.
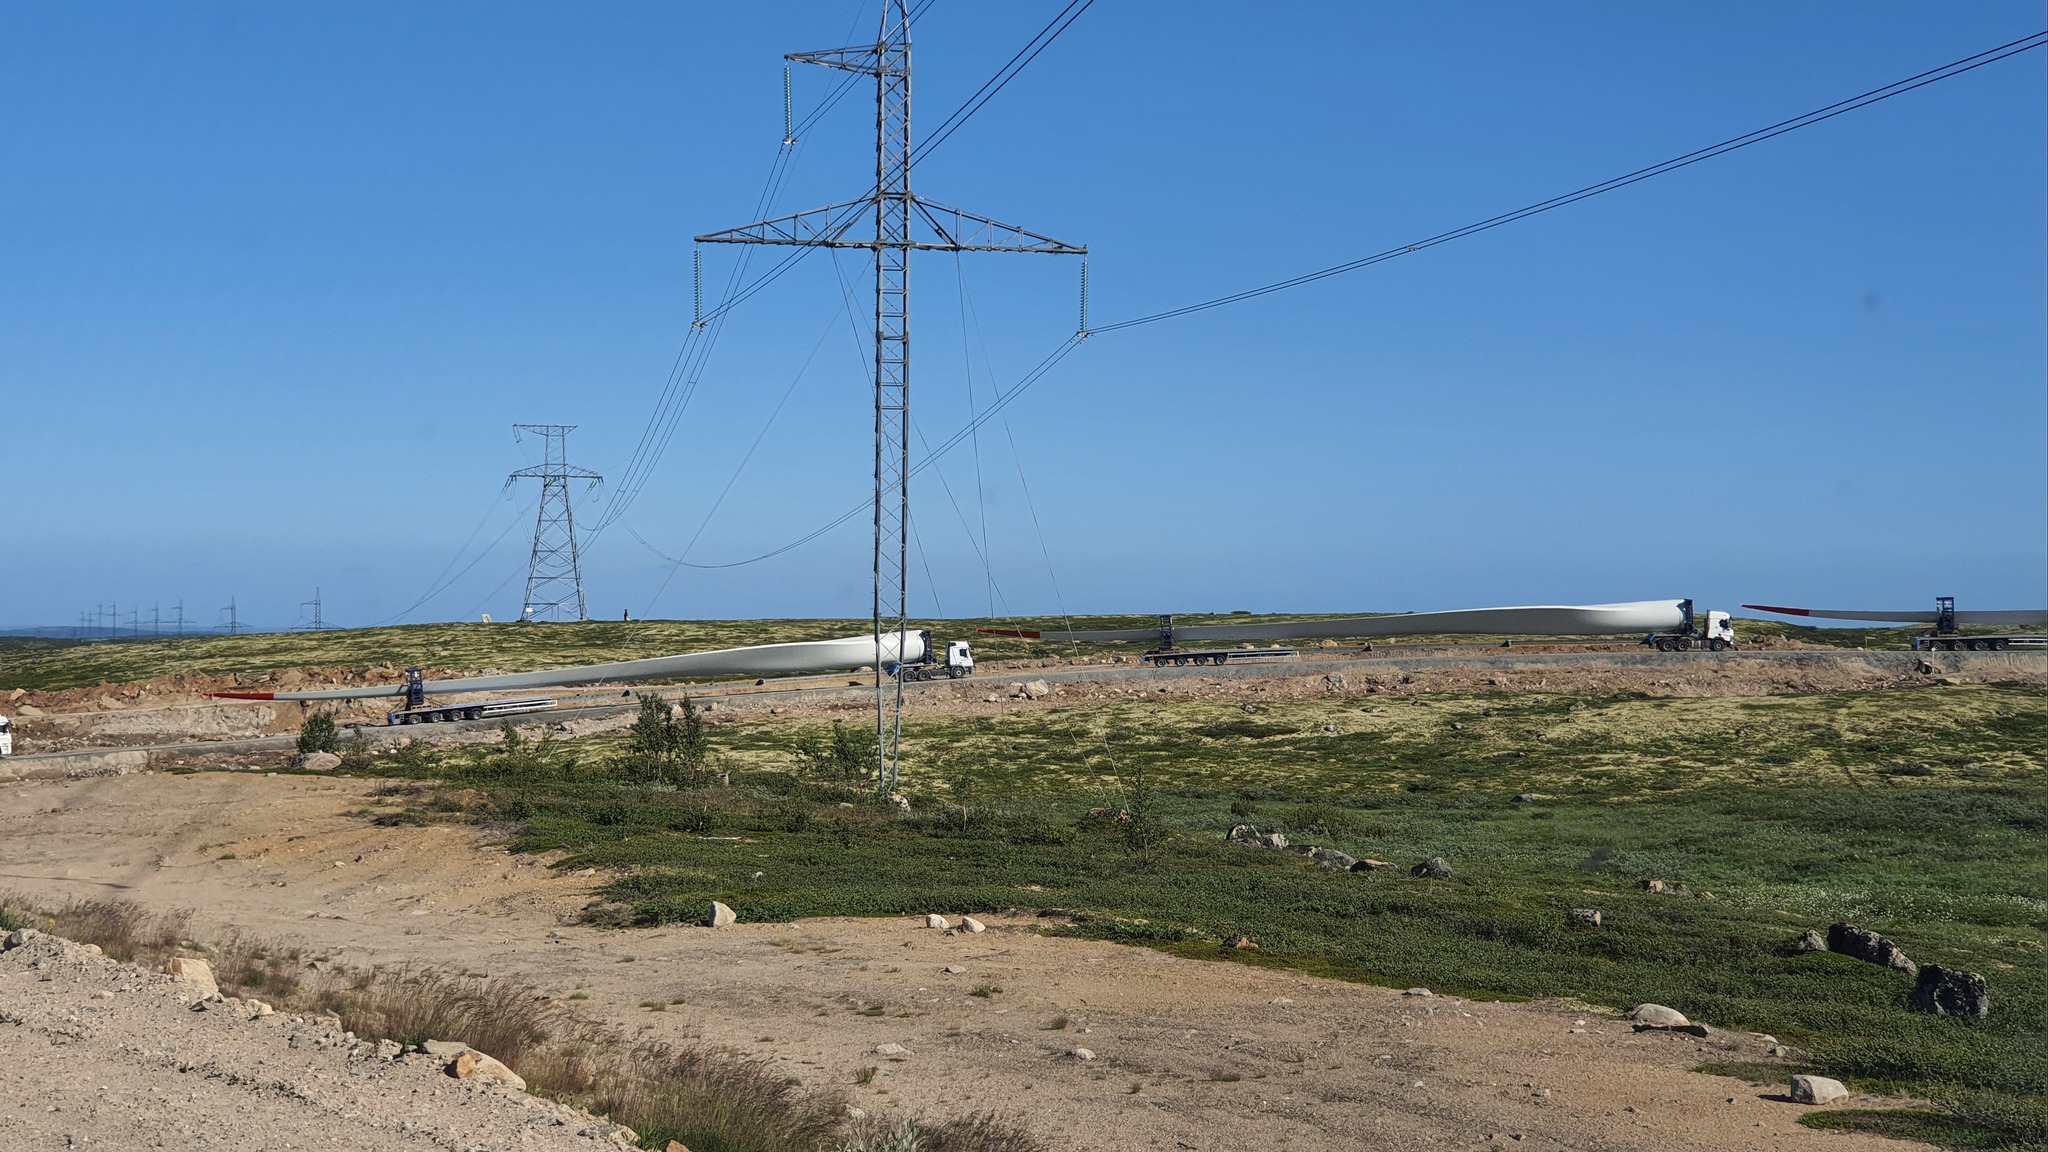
[{"x": 123, "y": 929}]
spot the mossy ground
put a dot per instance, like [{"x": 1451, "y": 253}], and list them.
[
  {"x": 52, "y": 665},
  {"x": 1919, "y": 813}
]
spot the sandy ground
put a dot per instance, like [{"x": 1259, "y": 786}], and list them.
[
  {"x": 1187, "y": 1054},
  {"x": 95, "y": 1053}
]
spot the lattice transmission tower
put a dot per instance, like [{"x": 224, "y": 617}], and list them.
[
  {"x": 554, "y": 574},
  {"x": 899, "y": 217}
]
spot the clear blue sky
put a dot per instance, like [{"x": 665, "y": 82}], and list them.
[{"x": 277, "y": 279}]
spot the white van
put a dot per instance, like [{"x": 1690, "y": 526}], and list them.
[{"x": 6, "y": 738}]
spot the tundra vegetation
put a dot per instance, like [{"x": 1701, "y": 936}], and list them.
[
  {"x": 1915, "y": 812},
  {"x": 43, "y": 664}
]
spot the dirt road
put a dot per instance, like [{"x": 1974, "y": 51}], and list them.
[{"x": 1185, "y": 1053}]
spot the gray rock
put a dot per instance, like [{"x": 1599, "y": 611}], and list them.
[
  {"x": 723, "y": 916},
  {"x": 1817, "y": 1090},
  {"x": 1658, "y": 1015},
  {"x": 1951, "y": 992},
  {"x": 1525, "y": 798},
  {"x": 1243, "y": 834},
  {"x": 970, "y": 924},
  {"x": 1589, "y": 916},
  {"x": 1333, "y": 681},
  {"x": 1080, "y": 1054},
  {"x": 1375, "y": 866},
  {"x": 1275, "y": 840},
  {"x": 1037, "y": 688},
  {"x": 892, "y": 1051},
  {"x": 20, "y": 936},
  {"x": 1434, "y": 868},
  {"x": 317, "y": 762},
  {"x": 1849, "y": 940},
  {"x": 1813, "y": 942},
  {"x": 934, "y": 920},
  {"x": 1418, "y": 992}
]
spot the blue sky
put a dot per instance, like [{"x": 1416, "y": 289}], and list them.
[{"x": 276, "y": 281}]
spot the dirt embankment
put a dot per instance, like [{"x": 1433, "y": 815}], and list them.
[{"x": 1178, "y": 1052}]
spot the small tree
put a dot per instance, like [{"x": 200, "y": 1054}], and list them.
[
  {"x": 318, "y": 734},
  {"x": 1142, "y": 831},
  {"x": 844, "y": 759},
  {"x": 667, "y": 743}
]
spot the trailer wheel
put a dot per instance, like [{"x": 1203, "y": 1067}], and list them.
[{"x": 1999, "y": 644}]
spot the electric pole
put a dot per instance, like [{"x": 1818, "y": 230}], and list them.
[
  {"x": 318, "y": 624},
  {"x": 554, "y": 573},
  {"x": 895, "y": 211},
  {"x": 180, "y": 621},
  {"x": 234, "y": 624}
]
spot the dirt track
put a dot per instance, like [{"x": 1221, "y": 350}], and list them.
[{"x": 1188, "y": 1054}]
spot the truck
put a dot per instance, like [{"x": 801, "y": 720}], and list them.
[
  {"x": 6, "y": 737},
  {"x": 1179, "y": 657},
  {"x": 1717, "y": 636},
  {"x": 958, "y": 663},
  {"x": 418, "y": 711},
  {"x": 1947, "y": 638}
]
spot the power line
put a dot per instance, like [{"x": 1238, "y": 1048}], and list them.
[{"x": 1734, "y": 143}]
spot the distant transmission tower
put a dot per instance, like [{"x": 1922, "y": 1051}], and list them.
[
  {"x": 181, "y": 621},
  {"x": 318, "y": 624},
  {"x": 234, "y": 623},
  {"x": 895, "y": 212},
  {"x": 554, "y": 575}
]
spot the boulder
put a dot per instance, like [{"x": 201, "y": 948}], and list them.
[
  {"x": 1588, "y": 916},
  {"x": 1434, "y": 868},
  {"x": 1375, "y": 866},
  {"x": 1240, "y": 942},
  {"x": 1951, "y": 992},
  {"x": 1333, "y": 682},
  {"x": 194, "y": 970},
  {"x": 1418, "y": 992},
  {"x": 723, "y": 916},
  {"x": 936, "y": 921},
  {"x": 1333, "y": 857},
  {"x": 19, "y": 936},
  {"x": 1274, "y": 840},
  {"x": 1812, "y": 942},
  {"x": 1657, "y": 1015},
  {"x": 317, "y": 762},
  {"x": 1243, "y": 834},
  {"x": 970, "y": 924},
  {"x": 1082, "y": 1054},
  {"x": 892, "y": 1051},
  {"x": 1036, "y": 689},
  {"x": 1850, "y": 940},
  {"x": 469, "y": 1064},
  {"x": 1817, "y": 1090}
]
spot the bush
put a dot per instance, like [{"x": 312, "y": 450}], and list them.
[
  {"x": 666, "y": 745},
  {"x": 844, "y": 759},
  {"x": 319, "y": 734}
]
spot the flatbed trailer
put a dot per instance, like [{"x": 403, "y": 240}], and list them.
[
  {"x": 1179, "y": 657},
  {"x": 476, "y": 710},
  {"x": 1946, "y": 637}
]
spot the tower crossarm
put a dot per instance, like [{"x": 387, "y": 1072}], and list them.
[
  {"x": 962, "y": 231},
  {"x": 554, "y": 472},
  {"x": 953, "y": 230},
  {"x": 862, "y": 58},
  {"x": 813, "y": 228}
]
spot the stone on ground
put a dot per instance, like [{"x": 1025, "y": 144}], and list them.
[
  {"x": 892, "y": 1051},
  {"x": 197, "y": 971},
  {"x": 970, "y": 924},
  {"x": 936, "y": 921},
  {"x": 1850, "y": 940},
  {"x": 1817, "y": 1090},
  {"x": 1037, "y": 688},
  {"x": 1812, "y": 942},
  {"x": 722, "y": 916},
  {"x": 1434, "y": 868},
  {"x": 1658, "y": 1015},
  {"x": 317, "y": 762},
  {"x": 1584, "y": 916},
  {"x": 1081, "y": 1054},
  {"x": 1951, "y": 992}
]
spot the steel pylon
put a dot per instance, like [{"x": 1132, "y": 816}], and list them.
[
  {"x": 896, "y": 211},
  {"x": 554, "y": 572}
]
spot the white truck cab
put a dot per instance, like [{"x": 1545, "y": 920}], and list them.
[
  {"x": 6, "y": 737},
  {"x": 959, "y": 660},
  {"x": 1719, "y": 627}
]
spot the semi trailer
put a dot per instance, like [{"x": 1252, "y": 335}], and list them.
[
  {"x": 418, "y": 711},
  {"x": 1717, "y": 636},
  {"x": 6, "y": 737},
  {"x": 1947, "y": 635},
  {"x": 958, "y": 663}
]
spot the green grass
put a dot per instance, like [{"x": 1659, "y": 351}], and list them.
[
  {"x": 44, "y": 664},
  {"x": 1918, "y": 812}
]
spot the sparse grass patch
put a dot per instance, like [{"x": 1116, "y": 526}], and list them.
[{"x": 1773, "y": 810}]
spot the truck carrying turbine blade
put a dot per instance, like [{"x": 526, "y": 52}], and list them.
[
  {"x": 789, "y": 659},
  {"x": 1947, "y": 635},
  {"x": 1640, "y": 616}
]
